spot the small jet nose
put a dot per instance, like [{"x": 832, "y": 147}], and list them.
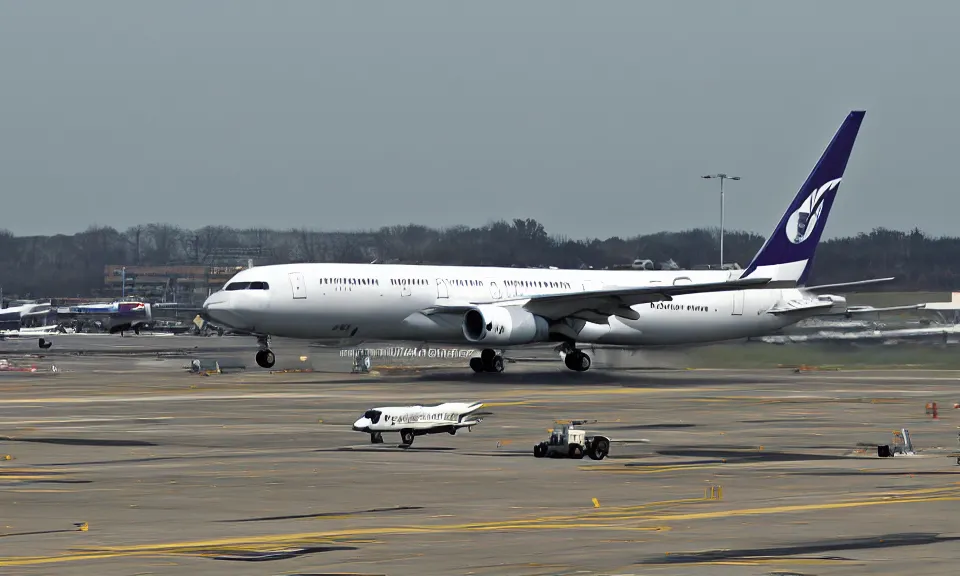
[{"x": 361, "y": 425}]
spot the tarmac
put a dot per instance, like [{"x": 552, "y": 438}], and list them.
[{"x": 124, "y": 462}]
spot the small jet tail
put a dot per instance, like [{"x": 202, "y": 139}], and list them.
[{"x": 788, "y": 253}]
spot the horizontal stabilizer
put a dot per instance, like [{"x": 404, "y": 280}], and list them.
[
  {"x": 847, "y": 284},
  {"x": 795, "y": 306},
  {"x": 871, "y": 309}
]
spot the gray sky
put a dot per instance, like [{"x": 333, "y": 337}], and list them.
[{"x": 596, "y": 118}]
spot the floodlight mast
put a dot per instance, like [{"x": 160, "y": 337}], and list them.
[{"x": 722, "y": 177}]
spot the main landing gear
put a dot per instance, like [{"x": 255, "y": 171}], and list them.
[
  {"x": 574, "y": 358},
  {"x": 492, "y": 361},
  {"x": 489, "y": 361},
  {"x": 265, "y": 357}
]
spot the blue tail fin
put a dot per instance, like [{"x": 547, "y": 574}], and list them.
[{"x": 788, "y": 252}]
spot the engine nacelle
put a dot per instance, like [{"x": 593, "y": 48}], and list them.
[{"x": 504, "y": 325}]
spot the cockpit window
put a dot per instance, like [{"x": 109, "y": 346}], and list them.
[
  {"x": 372, "y": 415},
  {"x": 247, "y": 286}
]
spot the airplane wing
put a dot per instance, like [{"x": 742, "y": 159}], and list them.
[
  {"x": 594, "y": 304},
  {"x": 468, "y": 423}
]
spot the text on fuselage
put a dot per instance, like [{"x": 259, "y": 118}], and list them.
[
  {"x": 678, "y": 307},
  {"x": 427, "y": 417}
]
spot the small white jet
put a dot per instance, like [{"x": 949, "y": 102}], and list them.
[{"x": 412, "y": 421}]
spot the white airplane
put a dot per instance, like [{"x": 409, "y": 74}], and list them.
[
  {"x": 412, "y": 421},
  {"x": 500, "y": 308}
]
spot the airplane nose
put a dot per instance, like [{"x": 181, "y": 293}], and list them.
[{"x": 219, "y": 309}]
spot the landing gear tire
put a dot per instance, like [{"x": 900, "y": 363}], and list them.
[
  {"x": 599, "y": 449},
  {"x": 577, "y": 361},
  {"x": 376, "y": 438},
  {"x": 406, "y": 437},
  {"x": 486, "y": 356},
  {"x": 489, "y": 361},
  {"x": 539, "y": 451},
  {"x": 266, "y": 359}
]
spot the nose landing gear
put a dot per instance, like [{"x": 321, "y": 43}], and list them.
[{"x": 265, "y": 357}]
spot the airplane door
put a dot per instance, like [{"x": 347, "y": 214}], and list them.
[
  {"x": 404, "y": 288},
  {"x": 589, "y": 285},
  {"x": 494, "y": 290},
  {"x": 738, "y": 303},
  {"x": 442, "y": 289},
  {"x": 297, "y": 286}
]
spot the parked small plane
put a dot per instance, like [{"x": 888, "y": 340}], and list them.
[
  {"x": 499, "y": 308},
  {"x": 117, "y": 316},
  {"x": 412, "y": 421}
]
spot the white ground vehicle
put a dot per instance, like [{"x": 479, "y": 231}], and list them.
[{"x": 572, "y": 442}]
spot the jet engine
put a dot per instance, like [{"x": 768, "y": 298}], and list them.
[{"x": 504, "y": 325}]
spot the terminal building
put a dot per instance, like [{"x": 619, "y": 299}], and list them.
[{"x": 185, "y": 284}]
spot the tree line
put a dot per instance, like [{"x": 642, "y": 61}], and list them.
[{"x": 73, "y": 265}]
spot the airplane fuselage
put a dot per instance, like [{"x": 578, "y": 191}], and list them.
[
  {"x": 413, "y": 421},
  {"x": 381, "y": 302}
]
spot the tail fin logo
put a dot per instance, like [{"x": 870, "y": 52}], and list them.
[{"x": 803, "y": 221}]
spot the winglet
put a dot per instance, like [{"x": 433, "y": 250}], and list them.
[{"x": 788, "y": 252}]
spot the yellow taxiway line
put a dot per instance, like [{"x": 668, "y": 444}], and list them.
[{"x": 628, "y": 518}]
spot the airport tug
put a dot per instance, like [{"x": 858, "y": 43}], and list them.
[{"x": 572, "y": 442}]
